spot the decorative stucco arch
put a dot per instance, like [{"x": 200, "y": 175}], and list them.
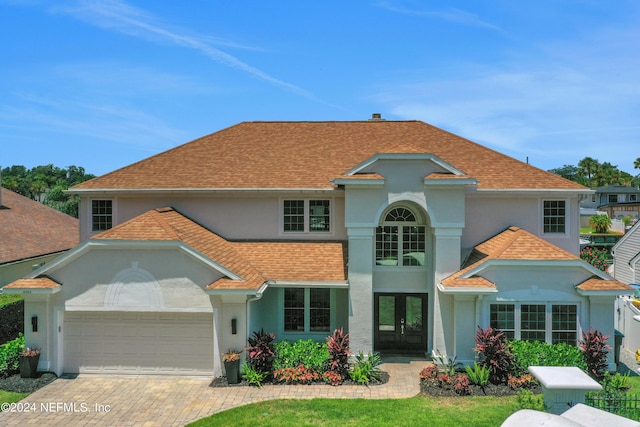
[
  {"x": 133, "y": 288},
  {"x": 416, "y": 204}
]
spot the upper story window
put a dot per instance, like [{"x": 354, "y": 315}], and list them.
[
  {"x": 400, "y": 240},
  {"x": 101, "y": 215},
  {"x": 303, "y": 215},
  {"x": 633, "y": 197},
  {"x": 613, "y": 198},
  {"x": 554, "y": 216}
]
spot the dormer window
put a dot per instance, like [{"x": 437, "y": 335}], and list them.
[{"x": 400, "y": 239}]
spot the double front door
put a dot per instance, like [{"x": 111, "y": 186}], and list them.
[{"x": 400, "y": 322}]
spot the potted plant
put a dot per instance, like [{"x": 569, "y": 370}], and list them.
[
  {"x": 231, "y": 361},
  {"x": 29, "y": 362}
]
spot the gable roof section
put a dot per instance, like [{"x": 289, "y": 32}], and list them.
[
  {"x": 517, "y": 244},
  {"x": 42, "y": 285},
  {"x": 254, "y": 262},
  {"x": 309, "y": 155},
  {"x": 29, "y": 229}
]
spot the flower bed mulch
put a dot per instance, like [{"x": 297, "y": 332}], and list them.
[
  {"x": 222, "y": 382},
  {"x": 488, "y": 390},
  {"x": 17, "y": 384}
]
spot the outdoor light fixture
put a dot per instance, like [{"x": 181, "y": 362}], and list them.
[
  {"x": 234, "y": 326},
  {"x": 34, "y": 323}
]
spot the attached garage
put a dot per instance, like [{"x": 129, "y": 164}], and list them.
[{"x": 128, "y": 342}]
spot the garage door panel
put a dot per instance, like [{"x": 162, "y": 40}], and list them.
[{"x": 138, "y": 343}]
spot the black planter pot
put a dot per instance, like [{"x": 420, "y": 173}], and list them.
[
  {"x": 232, "y": 369},
  {"x": 29, "y": 366}
]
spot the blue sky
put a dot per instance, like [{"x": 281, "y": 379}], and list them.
[{"x": 102, "y": 84}]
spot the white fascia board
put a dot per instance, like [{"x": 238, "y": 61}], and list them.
[
  {"x": 404, "y": 156},
  {"x": 307, "y": 284},
  {"x": 451, "y": 182},
  {"x": 603, "y": 293},
  {"x": 359, "y": 182},
  {"x": 138, "y": 191},
  {"x": 252, "y": 292},
  {"x": 29, "y": 291},
  {"x": 543, "y": 192},
  {"x": 466, "y": 290},
  {"x": 531, "y": 263}
]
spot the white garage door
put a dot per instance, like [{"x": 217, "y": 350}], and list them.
[{"x": 138, "y": 343}]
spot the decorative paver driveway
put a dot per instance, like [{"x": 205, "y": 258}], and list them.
[{"x": 176, "y": 401}]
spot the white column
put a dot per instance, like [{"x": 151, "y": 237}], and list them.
[{"x": 361, "y": 289}]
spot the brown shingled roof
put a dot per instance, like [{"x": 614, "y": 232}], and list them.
[
  {"x": 255, "y": 262},
  {"x": 30, "y": 229},
  {"x": 518, "y": 244},
  {"x": 312, "y": 154},
  {"x": 37, "y": 283}
]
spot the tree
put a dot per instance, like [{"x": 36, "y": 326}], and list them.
[
  {"x": 46, "y": 184},
  {"x": 600, "y": 222},
  {"x": 588, "y": 167}
]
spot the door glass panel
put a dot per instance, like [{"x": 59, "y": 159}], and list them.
[
  {"x": 387, "y": 313},
  {"x": 414, "y": 314}
]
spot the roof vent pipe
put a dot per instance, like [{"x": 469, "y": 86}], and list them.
[{"x": 376, "y": 116}]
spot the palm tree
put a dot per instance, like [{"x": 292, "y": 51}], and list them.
[
  {"x": 588, "y": 166},
  {"x": 600, "y": 222},
  {"x": 636, "y": 163}
]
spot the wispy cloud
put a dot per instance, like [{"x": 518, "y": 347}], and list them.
[
  {"x": 453, "y": 15},
  {"x": 553, "y": 100},
  {"x": 118, "y": 16}
]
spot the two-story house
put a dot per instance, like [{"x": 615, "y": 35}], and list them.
[
  {"x": 618, "y": 201},
  {"x": 404, "y": 234}
]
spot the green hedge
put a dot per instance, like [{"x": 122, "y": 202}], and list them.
[
  {"x": 311, "y": 354},
  {"x": 536, "y": 353},
  {"x": 10, "y": 357}
]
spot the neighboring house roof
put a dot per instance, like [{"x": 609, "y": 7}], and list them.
[
  {"x": 254, "y": 262},
  {"x": 517, "y": 244},
  {"x": 299, "y": 155},
  {"x": 29, "y": 229},
  {"x": 617, "y": 189}
]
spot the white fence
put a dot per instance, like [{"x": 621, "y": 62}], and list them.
[{"x": 628, "y": 322}]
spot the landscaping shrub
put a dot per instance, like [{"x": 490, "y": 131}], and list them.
[
  {"x": 260, "y": 351},
  {"x": 366, "y": 369},
  {"x": 252, "y": 376},
  {"x": 10, "y": 356},
  {"x": 338, "y": 347},
  {"x": 478, "y": 375},
  {"x": 491, "y": 346},
  {"x": 537, "y": 353},
  {"x": 596, "y": 257},
  {"x": 429, "y": 374},
  {"x": 527, "y": 400},
  {"x": 11, "y": 317},
  {"x": 595, "y": 348},
  {"x": 448, "y": 365},
  {"x": 299, "y": 375},
  {"x": 523, "y": 381},
  {"x": 461, "y": 385},
  {"x": 308, "y": 353}
]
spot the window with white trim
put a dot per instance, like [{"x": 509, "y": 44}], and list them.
[
  {"x": 554, "y": 216},
  {"x": 307, "y": 216},
  {"x": 400, "y": 240},
  {"x": 551, "y": 323},
  {"x": 307, "y": 309},
  {"x": 101, "y": 215}
]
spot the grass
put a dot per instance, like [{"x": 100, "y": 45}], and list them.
[
  {"x": 589, "y": 230},
  {"x": 419, "y": 410},
  {"x": 6, "y": 299},
  {"x": 11, "y": 397}
]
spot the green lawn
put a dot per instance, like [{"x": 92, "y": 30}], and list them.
[
  {"x": 10, "y": 397},
  {"x": 419, "y": 410},
  {"x": 9, "y": 298}
]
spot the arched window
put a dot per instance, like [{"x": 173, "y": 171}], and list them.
[{"x": 400, "y": 240}]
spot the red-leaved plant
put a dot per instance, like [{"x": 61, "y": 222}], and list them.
[
  {"x": 461, "y": 385},
  {"x": 491, "y": 346},
  {"x": 595, "y": 348},
  {"x": 338, "y": 346},
  {"x": 260, "y": 351}
]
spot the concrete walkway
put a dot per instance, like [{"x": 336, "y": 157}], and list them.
[{"x": 176, "y": 401}]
